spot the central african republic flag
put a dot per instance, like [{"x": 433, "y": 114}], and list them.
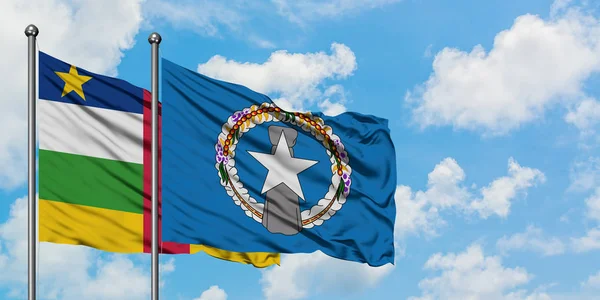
[{"x": 94, "y": 165}]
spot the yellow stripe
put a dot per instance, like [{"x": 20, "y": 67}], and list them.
[
  {"x": 117, "y": 231},
  {"x": 257, "y": 259},
  {"x": 104, "y": 229}
]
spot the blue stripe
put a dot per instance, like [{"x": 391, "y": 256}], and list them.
[{"x": 100, "y": 91}]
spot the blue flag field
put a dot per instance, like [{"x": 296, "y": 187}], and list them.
[{"x": 242, "y": 174}]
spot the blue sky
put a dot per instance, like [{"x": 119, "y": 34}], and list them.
[{"x": 493, "y": 110}]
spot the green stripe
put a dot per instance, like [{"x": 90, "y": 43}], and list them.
[{"x": 91, "y": 181}]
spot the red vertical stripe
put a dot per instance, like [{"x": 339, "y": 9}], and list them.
[{"x": 167, "y": 247}]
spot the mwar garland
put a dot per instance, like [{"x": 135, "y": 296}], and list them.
[{"x": 242, "y": 121}]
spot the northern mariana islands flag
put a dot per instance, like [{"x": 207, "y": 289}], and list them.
[{"x": 242, "y": 174}]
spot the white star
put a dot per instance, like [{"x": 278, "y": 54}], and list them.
[{"x": 283, "y": 168}]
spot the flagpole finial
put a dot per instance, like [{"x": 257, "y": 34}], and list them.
[
  {"x": 154, "y": 38},
  {"x": 32, "y": 30}
]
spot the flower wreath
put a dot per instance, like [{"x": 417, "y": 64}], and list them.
[{"x": 242, "y": 121}]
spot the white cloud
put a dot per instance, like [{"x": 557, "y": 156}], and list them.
[
  {"x": 532, "y": 66},
  {"x": 585, "y": 175},
  {"x": 585, "y": 116},
  {"x": 295, "y": 78},
  {"x": 497, "y": 196},
  {"x": 303, "y": 275},
  {"x": 335, "y": 98},
  {"x": 213, "y": 293},
  {"x": 589, "y": 242},
  {"x": 211, "y": 18},
  {"x": 559, "y": 6},
  {"x": 331, "y": 109},
  {"x": 117, "y": 278},
  {"x": 443, "y": 185},
  {"x": 593, "y": 282},
  {"x": 69, "y": 272},
  {"x": 76, "y": 32},
  {"x": 420, "y": 211},
  {"x": 204, "y": 16},
  {"x": 532, "y": 239},
  {"x": 524, "y": 295},
  {"x": 167, "y": 267},
  {"x": 301, "y": 11},
  {"x": 472, "y": 275},
  {"x": 415, "y": 214},
  {"x": 593, "y": 206}
]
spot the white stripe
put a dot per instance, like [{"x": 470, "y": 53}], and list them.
[{"x": 90, "y": 131}]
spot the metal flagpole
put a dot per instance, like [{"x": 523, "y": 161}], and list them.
[
  {"x": 154, "y": 40},
  {"x": 31, "y": 32}
]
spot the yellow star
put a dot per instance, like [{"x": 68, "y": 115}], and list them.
[{"x": 73, "y": 82}]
